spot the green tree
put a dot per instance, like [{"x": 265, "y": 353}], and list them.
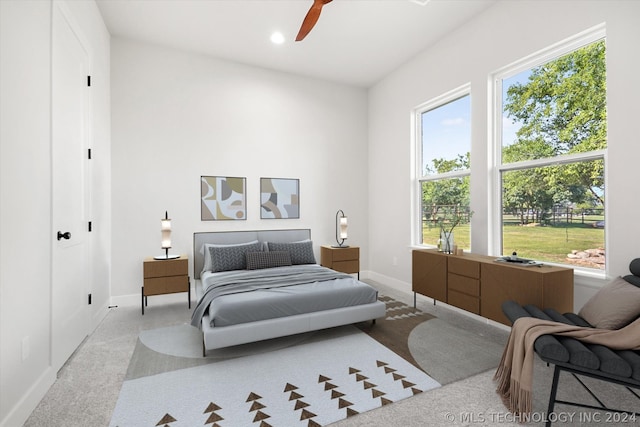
[
  {"x": 562, "y": 109},
  {"x": 444, "y": 196}
]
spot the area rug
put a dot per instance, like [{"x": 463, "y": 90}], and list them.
[
  {"x": 322, "y": 378},
  {"x": 394, "y": 329},
  {"x": 449, "y": 353},
  {"x": 446, "y": 352}
]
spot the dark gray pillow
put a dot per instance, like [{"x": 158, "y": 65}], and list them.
[
  {"x": 301, "y": 252},
  {"x": 227, "y": 258},
  {"x": 259, "y": 260},
  {"x": 634, "y": 277}
]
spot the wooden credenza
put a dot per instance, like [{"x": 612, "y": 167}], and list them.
[{"x": 479, "y": 284}]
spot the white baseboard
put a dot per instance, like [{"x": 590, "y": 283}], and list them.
[
  {"x": 25, "y": 406},
  {"x": 389, "y": 281},
  {"x": 136, "y": 299},
  {"x": 98, "y": 316}
]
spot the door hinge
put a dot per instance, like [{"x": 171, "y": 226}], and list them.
[
  {"x": 89, "y": 299},
  {"x": 89, "y": 81},
  {"x": 89, "y": 153},
  {"x": 90, "y": 225}
]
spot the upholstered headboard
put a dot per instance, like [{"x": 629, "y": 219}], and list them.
[{"x": 231, "y": 237}]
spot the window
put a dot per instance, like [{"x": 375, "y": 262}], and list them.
[
  {"x": 444, "y": 130},
  {"x": 551, "y": 149}
]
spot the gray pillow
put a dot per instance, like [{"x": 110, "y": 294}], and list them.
[
  {"x": 227, "y": 258},
  {"x": 613, "y": 306},
  {"x": 258, "y": 260},
  {"x": 204, "y": 250},
  {"x": 301, "y": 252}
]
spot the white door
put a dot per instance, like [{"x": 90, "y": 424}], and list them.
[{"x": 70, "y": 114}]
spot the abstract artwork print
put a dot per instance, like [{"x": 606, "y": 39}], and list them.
[
  {"x": 279, "y": 198},
  {"x": 222, "y": 198}
]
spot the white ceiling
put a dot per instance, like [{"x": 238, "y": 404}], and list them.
[{"x": 355, "y": 42}]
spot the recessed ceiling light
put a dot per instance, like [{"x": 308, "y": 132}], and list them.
[{"x": 277, "y": 38}]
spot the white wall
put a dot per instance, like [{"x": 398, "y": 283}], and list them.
[
  {"x": 24, "y": 211},
  {"x": 177, "y": 116},
  {"x": 505, "y": 33},
  {"x": 25, "y": 195}
]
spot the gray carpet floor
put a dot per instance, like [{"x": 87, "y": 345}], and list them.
[{"x": 87, "y": 387}]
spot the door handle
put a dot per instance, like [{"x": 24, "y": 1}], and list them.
[{"x": 66, "y": 235}]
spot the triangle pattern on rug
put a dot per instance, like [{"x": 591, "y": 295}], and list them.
[
  {"x": 166, "y": 420},
  {"x": 343, "y": 374},
  {"x": 397, "y": 310}
]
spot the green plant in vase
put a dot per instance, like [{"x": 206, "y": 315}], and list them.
[{"x": 449, "y": 217}]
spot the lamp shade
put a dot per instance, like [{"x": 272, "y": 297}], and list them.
[
  {"x": 341, "y": 229},
  {"x": 165, "y": 239},
  {"x": 165, "y": 230}
]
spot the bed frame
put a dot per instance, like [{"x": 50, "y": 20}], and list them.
[{"x": 227, "y": 336}]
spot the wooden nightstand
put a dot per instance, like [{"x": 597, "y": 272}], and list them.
[
  {"x": 346, "y": 260},
  {"x": 165, "y": 277}
]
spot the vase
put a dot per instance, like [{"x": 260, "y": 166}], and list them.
[{"x": 447, "y": 241}]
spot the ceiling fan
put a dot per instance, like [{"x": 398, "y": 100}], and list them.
[{"x": 311, "y": 18}]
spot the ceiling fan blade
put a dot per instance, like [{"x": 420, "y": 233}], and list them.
[{"x": 311, "y": 18}]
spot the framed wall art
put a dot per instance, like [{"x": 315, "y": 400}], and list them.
[
  {"x": 279, "y": 198},
  {"x": 223, "y": 198}
]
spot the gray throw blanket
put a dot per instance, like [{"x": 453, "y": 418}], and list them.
[{"x": 234, "y": 282}]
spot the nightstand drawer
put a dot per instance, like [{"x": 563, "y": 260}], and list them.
[
  {"x": 346, "y": 266},
  {"x": 166, "y": 285},
  {"x": 163, "y": 268},
  {"x": 345, "y": 254}
]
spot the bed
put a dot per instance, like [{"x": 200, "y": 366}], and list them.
[{"x": 258, "y": 285}]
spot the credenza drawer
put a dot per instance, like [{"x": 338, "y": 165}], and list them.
[
  {"x": 464, "y": 267},
  {"x": 463, "y": 284},
  {"x": 464, "y": 301}
]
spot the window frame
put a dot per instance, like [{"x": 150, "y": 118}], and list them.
[
  {"x": 553, "y": 52},
  {"x": 419, "y": 178}
]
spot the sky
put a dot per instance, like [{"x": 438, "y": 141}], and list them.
[{"x": 446, "y": 130}]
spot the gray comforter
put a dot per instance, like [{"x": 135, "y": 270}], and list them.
[{"x": 241, "y": 281}]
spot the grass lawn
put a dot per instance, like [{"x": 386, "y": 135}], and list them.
[{"x": 549, "y": 243}]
